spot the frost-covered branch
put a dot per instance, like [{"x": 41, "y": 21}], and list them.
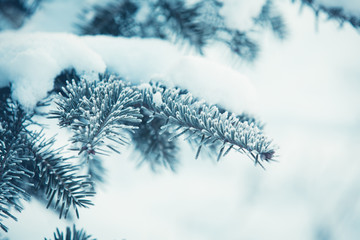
[
  {"x": 161, "y": 115},
  {"x": 195, "y": 118},
  {"x": 98, "y": 113}
]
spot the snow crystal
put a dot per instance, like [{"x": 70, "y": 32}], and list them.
[
  {"x": 157, "y": 99},
  {"x": 143, "y": 86}
]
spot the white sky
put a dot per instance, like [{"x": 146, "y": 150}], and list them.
[{"x": 308, "y": 89}]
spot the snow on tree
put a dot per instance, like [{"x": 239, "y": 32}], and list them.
[{"x": 127, "y": 88}]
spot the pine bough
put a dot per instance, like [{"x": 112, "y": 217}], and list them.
[
  {"x": 103, "y": 115},
  {"x": 110, "y": 110},
  {"x": 29, "y": 165}
]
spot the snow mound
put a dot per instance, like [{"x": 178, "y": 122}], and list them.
[
  {"x": 31, "y": 61},
  {"x": 215, "y": 83},
  {"x": 137, "y": 59}
]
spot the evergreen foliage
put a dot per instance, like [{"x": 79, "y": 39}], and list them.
[
  {"x": 71, "y": 234},
  {"x": 30, "y": 164},
  {"x": 13, "y": 141},
  {"x": 198, "y": 24},
  {"x": 106, "y": 113},
  {"x": 98, "y": 113},
  {"x": 334, "y": 13},
  {"x": 154, "y": 144},
  {"x": 64, "y": 188},
  {"x": 185, "y": 114},
  {"x": 155, "y": 116},
  {"x": 109, "y": 112}
]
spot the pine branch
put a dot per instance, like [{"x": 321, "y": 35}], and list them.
[
  {"x": 27, "y": 159},
  {"x": 12, "y": 156},
  {"x": 166, "y": 114},
  {"x": 60, "y": 80},
  {"x": 98, "y": 114},
  {"x": 73, "y": 234},
  {"x": 71, "y": 101},
  {"x": 196, "y": 119},
  {"x": 63, "y": 186},
  {"x": 33, "y": 162},
  {"x": 11, "y": 177},
  {"x": 105, "y": 115},
  {"x": 154, "y": 144}
]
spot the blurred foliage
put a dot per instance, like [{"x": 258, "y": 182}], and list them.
[
  {"x": 338, "y": 14},
  {"x": 13, "y": 13},
  {"x": 153, "y": 144},
  {"x": 71, "y": 234},
  {"x": 198, "y": 24}
]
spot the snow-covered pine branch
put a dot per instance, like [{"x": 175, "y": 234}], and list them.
[
  {"x": 31, "y": 166},
  {"x": 98, "y": 111},
  {"x": 174, "y": 112},
  {"x": 198, "y": 119}
]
